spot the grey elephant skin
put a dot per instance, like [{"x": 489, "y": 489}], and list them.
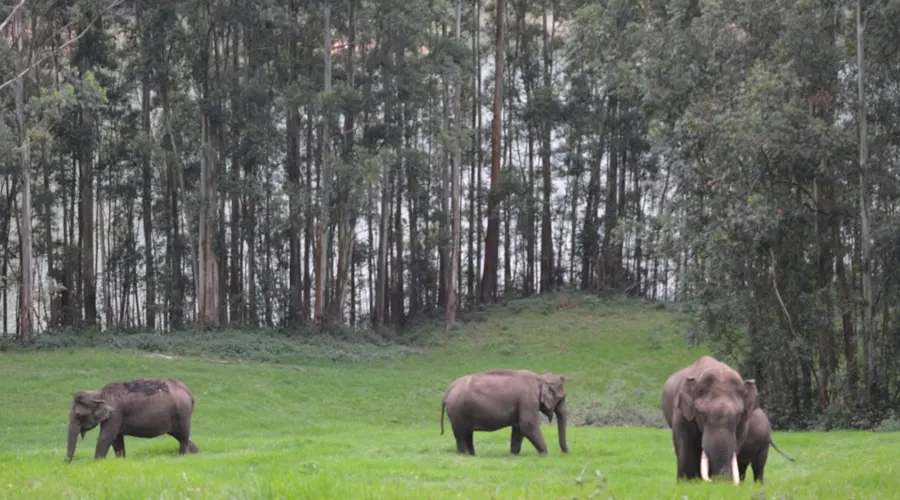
[
  {"x": 492, "y": 400},
  {"x": 755, "y": 450},
  {"x": 143, "y": 408},
  {"x": 708, "y": 406}
]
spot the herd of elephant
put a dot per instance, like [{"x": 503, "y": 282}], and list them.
[{"x": 718, "y": 427}]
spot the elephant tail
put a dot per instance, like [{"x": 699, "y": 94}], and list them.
[
  {"x": 443, "y": 406},
  {"x": 772, "y": 442}
]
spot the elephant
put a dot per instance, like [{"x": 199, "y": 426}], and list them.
[
  {"x": 492, "y": 400},
  {"x": 144, "y": 408},
  {"x": 755, "y": 450},
  {"x": 708, "y": 406}
]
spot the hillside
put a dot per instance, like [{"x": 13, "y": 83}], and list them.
[{"x": 317, "y": 428}]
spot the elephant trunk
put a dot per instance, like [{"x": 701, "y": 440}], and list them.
[
  {"x": 74, "y": 428},
  {"x": 562, "y": 417},
  {"x": 719, "y": 455},
  {"x": 733, "y": 473}
]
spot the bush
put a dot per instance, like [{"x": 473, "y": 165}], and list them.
[
  {"x": 261, "y": 346},
  {"x": 615, "y": 409}
]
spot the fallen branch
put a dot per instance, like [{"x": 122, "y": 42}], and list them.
[{"x": 159, "y": 356}]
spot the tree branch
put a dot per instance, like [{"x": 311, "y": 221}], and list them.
[
  {"x": 11, "y": 14},
  {"x": 66, "y": 44},
  {"x": 787, "y": 315}
]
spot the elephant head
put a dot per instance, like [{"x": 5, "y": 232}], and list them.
[
  {"x": 88, "y": 410},
  {"x": 720, "y": 402},
  {"x": 552, "y": 399}
]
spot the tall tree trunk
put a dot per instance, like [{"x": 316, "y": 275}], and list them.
[
  {"x": 175, "y": 240},
  {"x": 865, "y": 232},
  {"x": 474, "y": 237},
  {"x": 292, "y": 167},
  {"x": 609, "y": 272},
  {"x": 147, "y": 179},
  {"x": 308, "y": 227},
  {"x": 378, "y": 315},
  {"x": 26, "y": 285},
  {"x": 207, "y": 269},
  {"x": 444, "y": 223},
  {"x": 547, "y": 130},
  {"x": 207, "y": 283},
  {"x": 349, "y": 207},
  {"x": 397, "y": 302},
  {"x": 492, "y": 239},
  {"x": 455, "y": 169},
  {"x": 324, "y": 184},
  {"x": 239, "y": 110},
  {"x": 85, "y": 155}
]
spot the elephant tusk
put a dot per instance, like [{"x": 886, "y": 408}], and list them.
[
  {"x": 704, "y": 466},
  {"x": 735, "y": 475}
]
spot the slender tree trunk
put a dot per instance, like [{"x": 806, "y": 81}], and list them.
[
  {"x": 455, "y": 181},
  {"x": 292, "y": 168},
  {"x": 26, "y": 284},
  {"x": 397, "y": 302},
  {"x": 492, "y": 239},
  {"x": 547, "y": 130},
  {"x": 865, "y": 232},
  {"x": 444, "y": 223},
  {"x": 239, "y": 110},
  {"x": 86, "y": 224},
  {"x": 324, "y": 184},
  {"x": 207, "y": 269},
  {"x": 349, "y": 207},
  {"x": 147, "y": 180},
  {"x": 175, "y": 242},
  {"x": 610, "y": 216},
  {"x": 378, "y": 314},
  {"x": 308, "y": 226}
]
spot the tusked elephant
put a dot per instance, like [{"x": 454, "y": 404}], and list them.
[
  {"x": 708, "y": 405},
  {"x": 492, "y": 400},
  {"x": 755, "y": 450},
  {"x": 143, "y": 408}
]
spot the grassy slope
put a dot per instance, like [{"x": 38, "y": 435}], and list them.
[{"x": 320, "y": 429}]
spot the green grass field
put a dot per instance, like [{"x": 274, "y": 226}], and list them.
[{"x": 325, "y": 429}]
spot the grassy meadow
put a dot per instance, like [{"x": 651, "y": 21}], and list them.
[{"x": 323, "y": 426}]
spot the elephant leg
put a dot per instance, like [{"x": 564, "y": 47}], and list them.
[
  {"x": 184, "y": 443},
  {"x": 759, "y": 465},
  {"x": 119, "y": 446},
  {"x": 688, "y": 449},
  {"x": 742, "y": 468},
  {"x": 461, "y": 437},
  {"x": 689, "y": 462},
  {"x": 532, "y": 430},
  {"x": 470, "y": 443},
  {"x": 515, "y": 442},
  {"x": 108, "y": 434}
]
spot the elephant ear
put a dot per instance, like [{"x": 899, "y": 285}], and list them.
[
  {"x": 101, "y": 409},
  {"x": 684, "y": 400},
  {"x": 547, "y": 396},
  {"x": 751, "y": 397}
]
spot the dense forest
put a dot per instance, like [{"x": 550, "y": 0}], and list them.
[{"x": 296, "y": 164}]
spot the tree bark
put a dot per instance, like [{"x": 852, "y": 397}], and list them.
[
  {"x": 147, "y": 180},
  {"x": 492, "y": 238},
  {"x": 455, "y": 236},
  {"x": 26, "y": 284},
  {"x": 865, "y": 232},
  {"x": 324, "y": 183},
  {"x": 547, "y": 130}
]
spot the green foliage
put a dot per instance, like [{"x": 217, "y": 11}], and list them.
[{"x": 237, "y": 345}]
